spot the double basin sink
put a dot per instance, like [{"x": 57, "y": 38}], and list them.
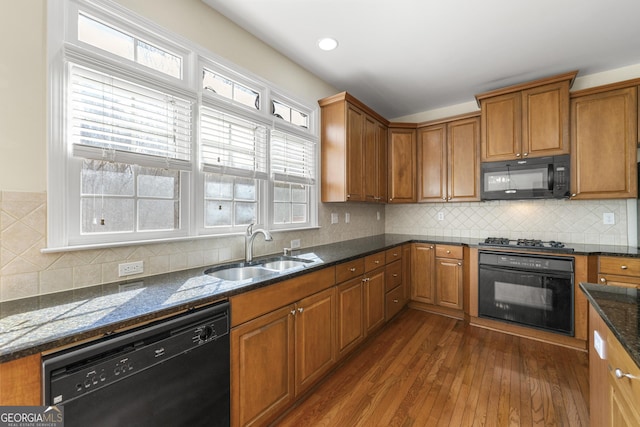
[{"x": 257, "y": 269}]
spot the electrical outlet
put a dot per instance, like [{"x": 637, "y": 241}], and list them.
[
  {"x": 598, "y": 345},
  {"x": 129, "y": 268},
  {"x": 334, "y": 218},
  {"x": 440, "y": 216},
  {"x": 378, "y": 215},
  {"x": 347, "y": 218},
  {"x": 608, "y": 218},
  {"x": 295, "y": 243}
]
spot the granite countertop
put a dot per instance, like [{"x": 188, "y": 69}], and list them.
[
  {"x": 37, "y": 324},
  {"x": 619, "y": 307}
]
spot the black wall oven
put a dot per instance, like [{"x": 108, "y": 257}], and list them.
[
  {"x": 530, "y": 290},
  {"x": 171, "y": 373}
]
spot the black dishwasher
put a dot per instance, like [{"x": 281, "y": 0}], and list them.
[{"x": 173, "y": 372}]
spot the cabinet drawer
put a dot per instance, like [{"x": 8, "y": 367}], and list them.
[
  {"x": 393, "y": 275},
  {"x": 374, "y": 261},
  {"x": 616, "y": 280},
  {"x": 393, "y": 254},
  {"x": 393, "y": 302},
  {"x": 448, "y": 251},
  {"x": 349, "y": 270},
  {"x": 620, "y": 266},
  {"x": 620, "y": 359}
]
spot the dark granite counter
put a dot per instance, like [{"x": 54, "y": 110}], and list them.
[
  {"x": 33, "y": 325},
  {"x": 619, "y": 307}
]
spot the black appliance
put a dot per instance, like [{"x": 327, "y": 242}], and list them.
[
  {"x": 531, "y": 290},
  {"x": 532, "y": 244},
  {"x": 535, "y": 178},
  {"x": 174, "y": 373}
]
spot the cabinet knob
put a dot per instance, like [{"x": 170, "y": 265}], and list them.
[
  {"x": 517, "y": 154},
  {"x": 444, "y": 198},
  {"x": 300, "y": 309},
  {"x": 352, "y": 269},
  {"x": 395, "y": 275},
  {"x": 621, "y": 374},
  {"x": 366, "y": 279},
  {"x": 377, "y": 261},
  {"x": 624, "y": 267},
  {"x": 525, "y": 154},
  {"x": 573, "y": 194},
  {"x": 390, "y": 199},
  {"x": 395, "y": 254},
  {"x": 395, "y": 301},
  {"x": 449, "y": 198},
  {"x": 603, "y": 280},
  {"x": 459, "y": 263},
  {"x": 430, "y": 247},
  {"x": 448, "y": 251},
  {"x": 348, "y": 195},
  {"x": 293, "y": 312}
]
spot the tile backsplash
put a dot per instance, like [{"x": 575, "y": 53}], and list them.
[
  {"x": 569, "y": 221},
  {"x": 25, "y": 271}
]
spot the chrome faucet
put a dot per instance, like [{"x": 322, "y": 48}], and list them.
[{"x": 249, "y": 237}]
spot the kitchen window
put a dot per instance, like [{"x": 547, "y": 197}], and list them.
[{"x": 154, "y": 138}]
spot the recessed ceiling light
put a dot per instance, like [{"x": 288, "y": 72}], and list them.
[{"x": 327, "y": 43}]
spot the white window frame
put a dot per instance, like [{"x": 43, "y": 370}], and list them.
[{"x": 63, "y": 170}]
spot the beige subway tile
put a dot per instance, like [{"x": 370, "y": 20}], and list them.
[
  {"x": 56, "y": 280},
  {"x": 87, "y": 275},
  {"x": 18, "y": 286}
]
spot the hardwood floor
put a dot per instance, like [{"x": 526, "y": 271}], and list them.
[{"x": 428, "y": 370}]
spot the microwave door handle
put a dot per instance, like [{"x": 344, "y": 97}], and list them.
[{"x": 550, "y": 177}]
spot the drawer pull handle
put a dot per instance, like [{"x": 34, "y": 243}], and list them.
[
  {"x": 624, "y": 267},
  {"x": 603, "y": 280},
  {"x": 352, "y": 269},
  {"x": 377, "y": 261},
  {"x": 395, "y": 275},
  {"x": 395, "y": 301},
  {"x": 621, "y": 374},
  {"x": 395, "y": 254},
  {"x": 448, "y": 252}
]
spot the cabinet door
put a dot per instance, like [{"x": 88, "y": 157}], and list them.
[
  {"x": 603, "y": 145},
  {"x": 350, "y": 327},
  {"x": 402, "y": 165},
  {"x": 381, "y": 138},
  {"x": 20, "y": 382},
  {"x": 423, "y": 273},
  {"x": 406, "y": 273},
  {"x": 355, "y": 160},
  {"x": 432, "y": 163},
  {"x": 370, "y": 152},
  {"x": 449, "y": 283},
  {"x": 501, "y": 127},
  {"x": 315, "y": 330},
  {"x": 598, "y": 373},
  {"x": 262, "y": 357},
  {"x": 463, "y": 141},
  {"x": 374, "y": 300},
  {"x": 545, "y": 123}
]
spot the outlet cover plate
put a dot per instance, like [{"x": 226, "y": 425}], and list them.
[{"x": 129, "y": 268}]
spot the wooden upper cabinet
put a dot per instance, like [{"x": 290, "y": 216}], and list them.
[
  {"x": 402, "y": 164},
  {"x": 449, "y": 161},
  {"x": 604, "y": 143},
  {"x": 353, "y": 151},
  {"x": 526, "y": 120}
]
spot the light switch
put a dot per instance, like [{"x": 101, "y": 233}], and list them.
[
  {"x": 608, "y": 218},
  {"x": 598, "y": 344},
  {"x": 334, "y": 218}
]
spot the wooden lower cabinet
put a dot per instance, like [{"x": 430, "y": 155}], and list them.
[
  {"x": 21, "y": 382},
  {"x": 279, "y": 355},
  {"x": 423, "y": 273},
  {"x": 350, "y": 328},
  {"x": 449, "y": 283},
  {"x": 374, "y": 300}
]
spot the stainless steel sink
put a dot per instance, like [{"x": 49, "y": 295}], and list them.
[
  {"x": 235, "y": 274},
  {"x": 284, "y": 264}
]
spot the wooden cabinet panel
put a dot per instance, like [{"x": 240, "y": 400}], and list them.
[
  {"x": 350, "y": 317},
  {"x": 463, "y": 178},
  {"x": 407, "y": 278},
  {"x": 624, "y": 391},
  {"x": 449, "y": 251},
  {"x": 393, "y": 254},
  {"x": 402, "y": 165},
  {"x": 432, "y": 163},
  {"x": 598, "y": 373},
  {"x": 355, "y": 154},
  {"x": 315, "y": 344},
  {"x": 393, "y": 275},
  {"x": 619, "y": 266},
  {"x": 615, "y": 280},
  {"x": 545, "y": 124},
  {"x": 393, "y": 302},
  {"x": 501, "y": 127},
  {"x": 21, "y": 382},
  {"x": 375, "y": 161},
  {"x": 423, "y": 273},
  {"x": 449, "y": 283},
  {"x": 374, "y": 300},
  {"x": 371, "y": 262},
  {"x": 603, "y": 145},
  {"x": 261, "y": 386},
  {"x": 349, "y": 270}
]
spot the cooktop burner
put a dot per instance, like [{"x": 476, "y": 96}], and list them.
[{"x": 551, "y": 245}]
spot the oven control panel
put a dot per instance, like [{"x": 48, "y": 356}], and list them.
[{"x": 526, "y": 262}]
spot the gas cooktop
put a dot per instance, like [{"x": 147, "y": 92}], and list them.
[{"x": 531, "y": 244}]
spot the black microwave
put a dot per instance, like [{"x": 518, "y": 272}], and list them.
[{"x": 535, "y": 178}]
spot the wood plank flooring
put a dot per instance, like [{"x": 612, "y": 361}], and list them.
[{"x": 428, "y": 370}]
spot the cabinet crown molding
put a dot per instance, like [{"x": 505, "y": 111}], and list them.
[{"x": 528, "y": 85}]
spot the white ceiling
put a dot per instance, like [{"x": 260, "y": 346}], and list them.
[{"x": 402, "y": 57}]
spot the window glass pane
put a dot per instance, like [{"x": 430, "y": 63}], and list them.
[
  {"x": 281, "y": 111},
  {"x": 105, "y": 37},
  {"x": 289, "y": 114},
  {"x": 230, "y": 89},
  {"x": 245, "y": 189},
  {"x": 218, "y": 187},
  {"x": 281, "y": 213},
  {"x": 106, "y": 214},
  {"x": 300, "y": 119},
  {"x": 281, "y": 192},
  {"x": 158, "y": 214},
  {"x": 158, "y": 183},
  {"x": 298, "y": 213},
  {"x": 245, "y": 213},
  {"x": 106, "y": 178},
  {"x": 299, "y": 193},
  {"x": 218, "y": 213},
  {"x": 159, "y": 59}
]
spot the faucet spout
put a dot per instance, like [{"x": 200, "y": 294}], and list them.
[{"x": 249, "y": 237}]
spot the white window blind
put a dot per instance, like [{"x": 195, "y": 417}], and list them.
[
  {"x": 118, "y": 120},
  {"x": 292, "y": 158},
  {"x": 231, "y": 145}
]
